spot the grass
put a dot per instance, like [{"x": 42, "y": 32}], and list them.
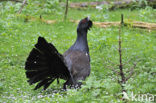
[
  {"x": 145, "y": 15},
  {"x": 88, "y": 0},
  {"x": 17, "y": 38}
]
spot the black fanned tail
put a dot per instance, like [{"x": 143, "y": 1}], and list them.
[{"x": 44, "y": 64}]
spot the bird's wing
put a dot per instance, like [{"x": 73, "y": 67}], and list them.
[
  {"x": 44, "y": 64},
  {"x": 80, "y": 65}
]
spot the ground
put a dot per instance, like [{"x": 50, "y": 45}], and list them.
[{"x": 17, "y": 38}]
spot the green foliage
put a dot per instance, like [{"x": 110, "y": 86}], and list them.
[
  {"x": 87, "y": 0},
  {"x": 142, "y": 3},
  {"x": 17, "y": 38},
  {"x": 42, "y": 7},
  {"x": 51, "y": 6},
  {"x": 33, "y": 7},
  {"x": 9, "y": 7}
]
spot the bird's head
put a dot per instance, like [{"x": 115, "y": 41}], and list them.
[{"x": 85, "y": 24}]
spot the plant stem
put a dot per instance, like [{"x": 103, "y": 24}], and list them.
[
  {"x": 66, "y": 11},
  {"x": 123, "y": 80}
]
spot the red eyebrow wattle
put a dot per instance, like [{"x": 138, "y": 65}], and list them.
[{"x": 84, "y": 20}]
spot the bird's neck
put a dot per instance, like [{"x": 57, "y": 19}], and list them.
[{"x": 81, "y": 42}]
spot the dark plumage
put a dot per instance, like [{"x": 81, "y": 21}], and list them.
[{"x": 45, "y": 64}]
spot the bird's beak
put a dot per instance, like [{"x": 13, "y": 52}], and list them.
[{"x": 88, "y": 18}]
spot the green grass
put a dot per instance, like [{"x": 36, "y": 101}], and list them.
[
  {"x": 88, "y": 0},
  {"x": 145, "y": 15},
  {"x": 17, "y": 38}
]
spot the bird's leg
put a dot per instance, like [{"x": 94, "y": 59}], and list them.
[
  {"x": 79, "y": 84},
  {"x": 67, "y": 83},
  {"x": 58, "y": 82},
  {"x": 76, "y": 86}
]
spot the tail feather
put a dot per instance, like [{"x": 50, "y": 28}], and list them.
[
  {"x": 38, "y": 77},
  {"x": 48, "y": 83},
  {"x": 35, "y": 60},
  {"x": 31, "y": 74},
  {"x": 36, "y": 55},
  {"x": 46, "y": 47},
  {"x": 35, "y": 66},
  {"x": 44, "y": 64},
  {"x": 42, "y": 83}
]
